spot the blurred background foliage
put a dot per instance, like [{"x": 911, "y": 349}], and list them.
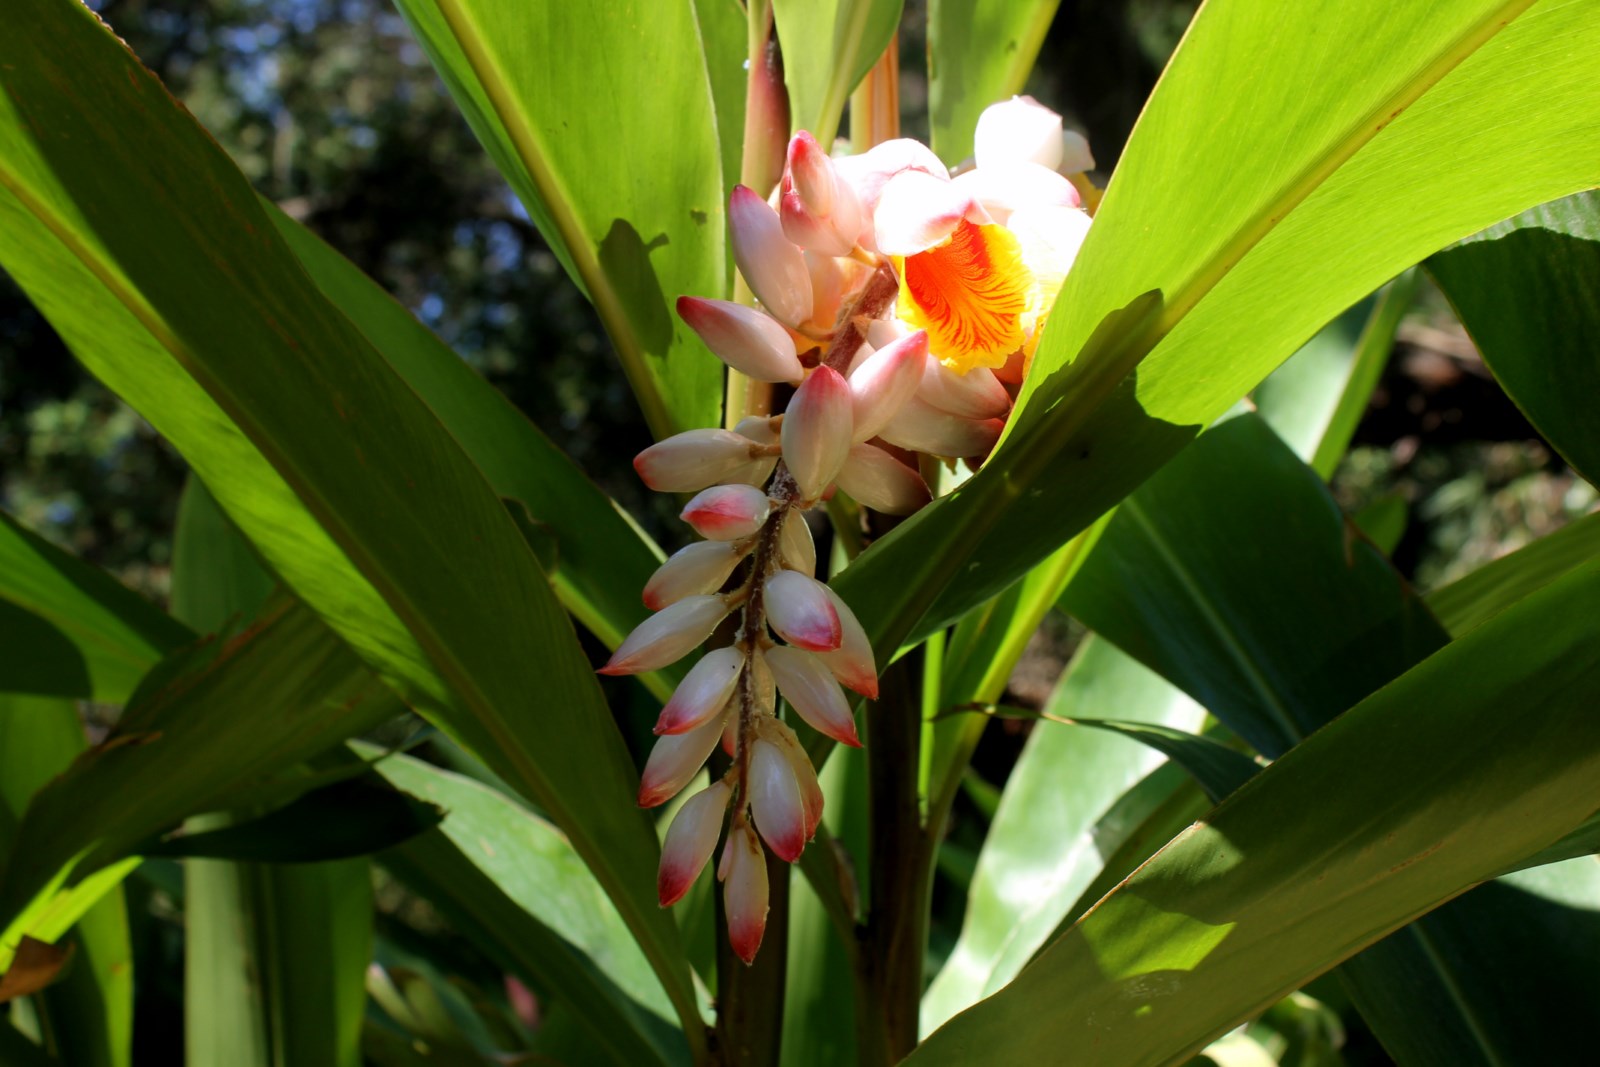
[{"x": 333, "y": 112}]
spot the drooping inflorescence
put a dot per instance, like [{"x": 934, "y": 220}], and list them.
[{"x": 904, "y": 306}]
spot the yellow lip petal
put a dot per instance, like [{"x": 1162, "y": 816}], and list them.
[{"x": 969, "y": 293}]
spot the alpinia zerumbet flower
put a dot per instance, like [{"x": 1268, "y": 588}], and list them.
[{"x": 904, "y": 305}]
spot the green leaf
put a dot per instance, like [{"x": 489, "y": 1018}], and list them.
[
  {"x": 1234, "y": 914},
  {"x": 216, "y": 578},
  {"x": 71, "y": 629},
  {"x": 1218, "y": 769},
  {"x": 1354, "y": 146},
  {"x": 339, "y": 821},
  {"x": 1470, "y": 601},
  {"x": 1234, "y": 575},
  {"x": 511, "y": 882},
  {"x": 1277, "y": 640},
  {"x": 1528, "y": 291},
  {"x": 1052, "y": 830},
  {"x": 182, "y": 747},
  {"x": 1383, "y": 522},
  {"x": 88, "y": 1012},
  {"x": 602, "y": 558},
  {"x": 1316, "y": 399},
  {"x": 1522, "y": 949},
  {"x": 601, "y": 117},
  {"x": 114, "y": 217},
  {"x": 978, "y": 53},
  {"x": 828, "y": 47}
]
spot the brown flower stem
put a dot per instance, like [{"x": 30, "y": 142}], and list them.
[
  {"x": 895, "y": 935},
  {"x": 750, "y": 998}
]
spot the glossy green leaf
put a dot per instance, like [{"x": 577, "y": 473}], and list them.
[
  {"x": 1528, "y": 291},
  {"x": 1276, "y": 641},
  {"x": 979, "y": 52},
  {"x": 112, "y": 216},
  {"x": 828, "y": 47},
  {"x": 1233, "y": 574},
  {"x": 1384, "y": 521},
  {"x": 1316, "y": 399},
  {"x": 71, "y": 629},
  {"x": 182, "y": 747},
  {"x": 1216, "y": 768},
  {"x": 510, "y": 881},
  {"x": 1422, "y": 790},
  {"x": 1354, "y": 145},
  {"x": 602, "y": 559},
  {"x": 1051, "y": 833},
  {"x": 601, "y": 117},
  {"x": 1473, "y": 599},
  {"x": 88, "y": 1013}
]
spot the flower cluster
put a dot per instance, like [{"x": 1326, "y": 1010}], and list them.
[{"x": 904, "y": 305}]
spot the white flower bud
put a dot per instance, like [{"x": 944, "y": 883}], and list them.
[
  {"x": 752, "y": 343},
  {"x": 690, "y": 841},
  {"x": 667, "y": 636},
  {"x": 813, "y": 692},
  {"x": 877, "y": 480},
  {"x": 1019, "y": 130},
  {"x": 770, "y": 263},
  {"x": 704, "y": 691},
  {"x": 884, "y": 381},
  {"x": 727, "y": 512},
  {"x": 800, "y": 611},
  {"x": 816, "y": 431},
  {"x": 693, "y": 570},
  {"x": 688, "y": 462}
]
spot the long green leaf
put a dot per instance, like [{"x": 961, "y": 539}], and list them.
[
  {"x": 601, "y": 117},
  {"x": 1278, "y": 641},
  {"x": 979, "y": 52},
  {"x": 1348, "y": 148},
  {"x": 1049, "y": 836},
  {"x": 1234, "y": 575},
  {"x": 181, "y": 748},
  {"x": 1528, "y": 291},
  {"x": 602, "y": 558},
  {"x": 828, "y": 47},
  {"x": 1316, "y": 399},
  {"x": 1419, "y": 792},
  {"x": 71, "y": 629},
  {"x": 126, "y": 208},
  {"x": 89, "y": 1013},
  {"x": 511, "y": 882},
  {"x": 1472, "y": 600}
]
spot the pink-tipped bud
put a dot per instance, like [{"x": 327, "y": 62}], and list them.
[
  {"x": 976, "y": 394},
  {"x": 747, "y": 340},
  {"x": 691, "y": 839},
  {"x": 770, "y": 263},
  {"x": 921, "y": 428},
  {"x": 796, "y": 549},
  {"x": 852, "y": 664},
  {"x": 818, "y": 209},
  {"x": 801, "y": 611},
  {"x": 674, "y": 761},
  {"x": 727, "y": 512},
  {"x": 884, "y": 381},
  {"x": 816, "y": 431},
  {"x": 779, "y": 734},
  {"x": 703, "y": 693},
  {"x": 693, "y": 570},
  {"x": 879, "y": 481},
  {"x": 744, "y": 893},
  {"x": 688, "y": 462},
  {"x": 775, "y": 800},
  {"x": 811, "y": 690},
  {"x": 667, "y": 636}
]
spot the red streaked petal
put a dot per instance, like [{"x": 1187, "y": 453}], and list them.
[{"x": 969, "y": 294}]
